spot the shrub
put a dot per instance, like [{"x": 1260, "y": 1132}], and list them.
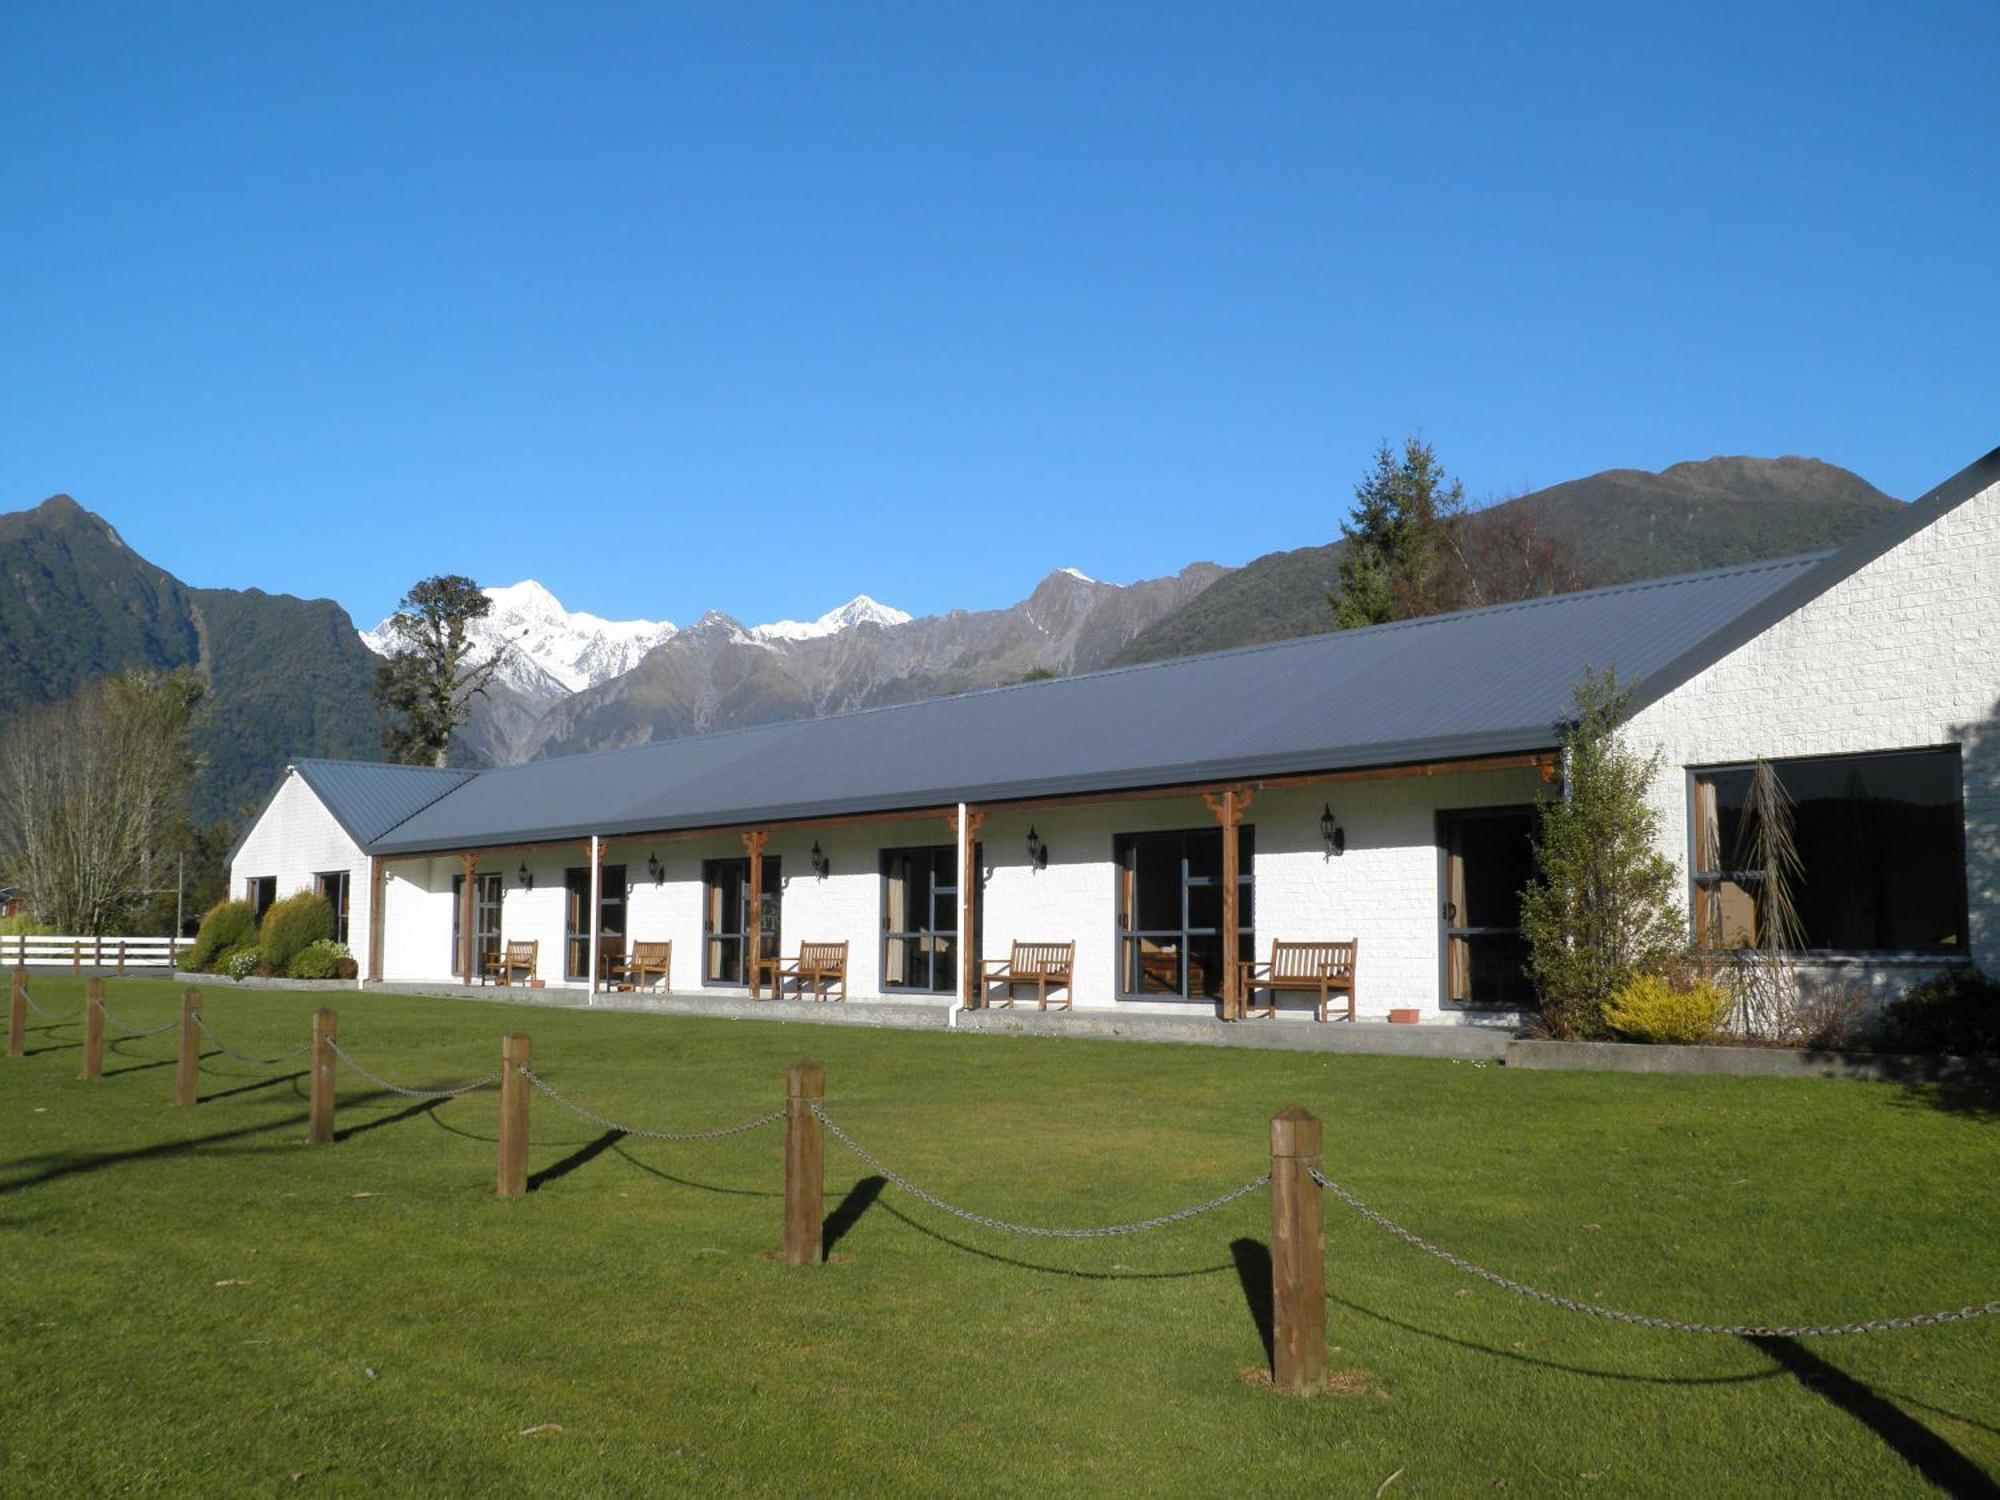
[
  {"x": 1957, "y": 1012},
  {"x": 346, "y": 968},
  {"x": 293, "y": 924},
  {"x": 23, "y": 925},
  {"x": 1649, "y": 1009},
  {"x": 228, "y": 925},
  {"x": 320, "y": 960},
  {"x": 240, "y": 963}
]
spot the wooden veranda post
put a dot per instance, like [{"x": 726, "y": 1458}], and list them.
[
  {"x": 1298, "y": 1255},
  {"x": 319, "y": 1108},
  {"x": 187, "y": 1080},
  {"x": 93, "y": 1030},
  {"x": 378, "y": 878},
  {"x": 805, "y": 1166},
  {"x": 1229, "y": 809},
  {"x": 17, "y": 1013},
  {"x": 753, "y": 918},
  {"x": 467, "y": 939},
  {"x": 514, "y": 1089}
]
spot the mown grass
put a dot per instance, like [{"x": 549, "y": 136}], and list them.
[{"x": 193, "y": 1301}]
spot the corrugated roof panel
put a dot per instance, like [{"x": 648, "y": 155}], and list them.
[
  {"x": 368, "y": 799},
  {"x": 1486, "y": 681}
]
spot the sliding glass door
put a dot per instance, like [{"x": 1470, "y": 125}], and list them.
[
  {"x": 1170, "y": 912},
  {"x": 576, "y": 920},
  {"x": 920, "y": 918},
  {"x": 1488, "y": 858},
  {"x": 725, "y": 905},
  {"x": 485, "y": 922}
]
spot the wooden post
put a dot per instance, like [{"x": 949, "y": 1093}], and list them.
[
  {"x": 1298, "y": 1255},
  {"x": 121, "y": 958},
  {"x": 514, "y": 1090},
  {"x": 93, "y": 1031},
  {"x": 469, "y": 863},
  {"x": 805, "y": 1167},
  {"x": 753, "y": 918},
  {"x": 319, "y": 1107},
  {"x": 17, "y": 1014},
  {"x": 378, "y": 875},
  {"x": 1228, "y": 810},
  {"x": 187, "y": 1084}
]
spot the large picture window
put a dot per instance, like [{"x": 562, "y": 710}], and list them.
[
  {"x": 726, "y": 905},
  {"x": 1881, "y": 841},
  {"x": 1170, "y": 912},
  {"x": 333, "y": 885},
  {"x": 576, "y": 920},
  {"x": 485, "y": 922}
]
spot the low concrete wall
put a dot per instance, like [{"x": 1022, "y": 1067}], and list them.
[
  {"x": 1750, "y": 1062},
  {"x": 1377, "y": 1038}
]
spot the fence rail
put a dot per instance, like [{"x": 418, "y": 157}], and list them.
[{"x": 23, "y": 950}]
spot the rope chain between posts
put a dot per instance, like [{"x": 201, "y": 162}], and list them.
[
  {"x": 408, "y": 1093},
  {"x": 135, "y": 1033},
  {"x": 1641, "y": 1320},
  {"x": 52, "y": 1020},
  {"x": 1038, "y": 1231},
  {"x": 243, "y": 1057},
  {"x": 646, "y": 1135}
]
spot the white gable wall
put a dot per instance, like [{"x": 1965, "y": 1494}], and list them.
[
  {"x": 1905, "y": 654},
  {"x": 295, "y": 839}
]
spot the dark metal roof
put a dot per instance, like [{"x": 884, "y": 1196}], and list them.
[
  {"x": 368, "y": 799},
  {"x": 1484, "y": 682}
]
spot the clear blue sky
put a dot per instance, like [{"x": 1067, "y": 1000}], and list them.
[{"x": 755, "y": 308}]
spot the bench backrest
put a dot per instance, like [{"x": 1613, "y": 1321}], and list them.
[
  {"x": 828, "y": 958},
  {"x": 1309, "y": 960},
  {"x": 651, "y": 953},
  {"x": 1051, "y": 959},
  {"x": 522, "y": 952}
]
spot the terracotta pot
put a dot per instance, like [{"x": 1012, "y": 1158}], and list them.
[{"x": 1405, "y": 1017}]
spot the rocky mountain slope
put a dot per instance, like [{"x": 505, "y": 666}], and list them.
[{"x": 1621, "y": 524}]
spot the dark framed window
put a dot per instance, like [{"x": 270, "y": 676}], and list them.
[
  {"x": 1486, "y": 859},
  {"x": 725, "y": 902},
  {"x": 333, "y": 885},
  {"x": 1170, "y": 911},
  {"x": 260, "y": 891},
  {"x": 485, "y": 922},
  {"x": 1881, "y": 842},
  {"x": 920, "y": 918},
  {"x": 576, "y": 920}
]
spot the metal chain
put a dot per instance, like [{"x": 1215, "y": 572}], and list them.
[
  {"x": 255, "y": 1062},
  {"x": 1641, "y": 1320},
  {"x": 868, "y": 1159},
  {"x": 647, "y": 1135},
  {"x": 396, "y": 1088},
  {"x": 134, "y": 1033},
  {"x": 52, "y": 1020}
]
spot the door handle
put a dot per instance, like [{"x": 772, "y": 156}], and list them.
[{"x": 1450, "y": 912}]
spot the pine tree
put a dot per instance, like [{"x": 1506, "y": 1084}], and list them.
[
  {"x": 430, "y": 678},
  {"x": 1600, "y": 909},
  {"x": 1405, "y": 554}
]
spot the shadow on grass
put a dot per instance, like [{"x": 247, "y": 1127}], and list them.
[
  {"x": 590, "y": 1151},
  {"x": 1521, "y": 1357},
  {"x": 1972, "y": 1101},
  {"x": 394, "y": 1117},
  {"x": 1923, "y": 1450},
  {"x": 252, "y": 1088},
  {"x": 53, "y": 1168},
  {"x": 689, "y": 1182},
  {"x": 53, "y": 1047},
  {"x": 847, "y": 1213},
  {"x": 1253, "y": 1269},
  {"x": 1028, "y": 1265}
]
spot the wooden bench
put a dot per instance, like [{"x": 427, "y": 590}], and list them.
[
  {"x": 646, "y": 962},
  {"x": 1321, "y": 970},
  {"x": 501, "y": 966},
  {"x": 1047, "y": 966},
  {"x": 823, "y": 966}
]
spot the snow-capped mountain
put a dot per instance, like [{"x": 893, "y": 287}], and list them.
[
  {"x": 860, "y": 610},
  {"x": 551, "y": 652}
]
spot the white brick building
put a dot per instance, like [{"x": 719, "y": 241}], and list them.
[{"x": 1390, "y": 777}]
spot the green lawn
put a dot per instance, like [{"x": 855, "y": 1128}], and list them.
[{"x": 193, "y": 1301}]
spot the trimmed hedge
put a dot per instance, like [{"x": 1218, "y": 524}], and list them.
[
  {"x": 292, "y": 925},
  {"x": 320, "y": 960},
  {"x": 227, "y": 925}
]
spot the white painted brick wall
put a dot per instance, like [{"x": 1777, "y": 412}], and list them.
[
  {"x": 296, "y": 839},
  {"x": 1904, "y": 654}
]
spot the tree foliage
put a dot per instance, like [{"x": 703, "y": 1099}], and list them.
[
  {"x": 1413, "y": 548},
  {"x": 94, "y": 797},
  {"x": 1600, "y": 910},
  {"x": 428, "y": 682}
]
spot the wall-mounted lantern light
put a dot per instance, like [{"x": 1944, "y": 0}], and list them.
[
  {"x": 1331, "y": 831},
  {"x": 655, "y": 869},
  {"x": 526, "y": 877},
  {"x": 1038, "y": 852},
  {"x": 822, "y": 866}
]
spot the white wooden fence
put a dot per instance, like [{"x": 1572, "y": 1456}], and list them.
[{"x": 79, "y": 953}]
